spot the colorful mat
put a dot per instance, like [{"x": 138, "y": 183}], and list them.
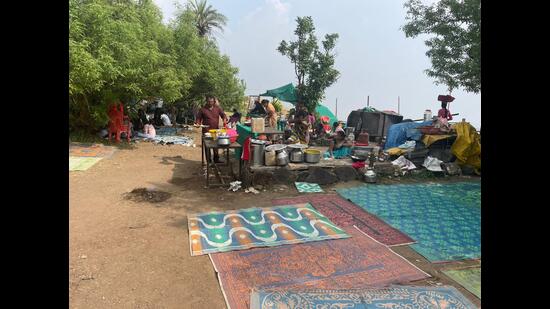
[
  {"x": 87, "y": 150},
  {"x": 82, "y": 163},
  {"x": 306, "y": 187},
  {"x": 395, "y": 297},
  {"x": 258, "y": 227},
  {"x": 469, "y": 278},
  {"x": 355, "y": 262},
  {"x": 346, "y": 215},
  {"x": 444, "y": 219}
]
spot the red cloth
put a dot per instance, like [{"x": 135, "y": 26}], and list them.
[
  {"x": 246, "y": 149},
  {"x": 210, "y": 117},
  {"x": 445, "y": 113},
  {"x": 358, "y": 164}
]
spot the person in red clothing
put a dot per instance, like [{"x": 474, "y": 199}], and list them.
[
  {"x": 444, "y": 112},
  {"x": 210, "y": 115}
]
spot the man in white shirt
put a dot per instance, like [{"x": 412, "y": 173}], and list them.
[{"x": 165, "y": 120}]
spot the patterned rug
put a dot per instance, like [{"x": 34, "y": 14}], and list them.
[
  {"x": 346, "y": 215},
  {"x": 306, "y": 187},
  {"x": 444, "y": 219},
  {"x": 355, "y": 262},
  {"x": 469, "y": 278},
  {"x": 446, "y": 297},
  {"x": 258, "y": 227},
  {"x": 82, "y": 163},
  {"x": 88, "y": 150}
]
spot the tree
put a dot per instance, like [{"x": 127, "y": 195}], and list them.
[
  {"x": 455, "y": 48},
  {"x": 206, "y": 17},
  {"x": 314, "y": 68}
]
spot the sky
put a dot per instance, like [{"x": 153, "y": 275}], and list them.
[{"x": 373, "y": 55}]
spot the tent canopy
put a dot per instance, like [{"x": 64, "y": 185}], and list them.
[
  {"x": 285, "y": 93},
  {"x": 288, "y": 93}
]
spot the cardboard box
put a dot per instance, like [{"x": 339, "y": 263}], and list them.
[{"x": 258, "y": 125}]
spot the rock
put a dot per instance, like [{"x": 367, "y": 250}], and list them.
[
  {"x": 321, "y": 176},
  {"x": 345, "y": 173},
  {"x": 451, "y": 169},
  {"x": 302, "y": 176},
  {"x": 262, "y": 178},
  {"x": 283, "y": 175}
]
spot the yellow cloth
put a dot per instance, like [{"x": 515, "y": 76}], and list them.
[
  {"x": 467, "y": 147},
  {"x": 430, "y": 139},
  {"x": 396, "y": 151},
  {"x": 271, "y": 115}
]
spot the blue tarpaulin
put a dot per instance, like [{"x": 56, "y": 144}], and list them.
[{"x": 401, "y": 132}]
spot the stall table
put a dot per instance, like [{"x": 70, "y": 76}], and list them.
[{"x": 210, "y": 164}]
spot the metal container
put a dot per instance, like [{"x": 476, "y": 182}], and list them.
[
  {"x": 282, "y": 158},
  {"x": 427, "y": 115},
  {"x": 312, "y": 156},
  {"x": 370, "y": 176},
  {"x": 270, "y": 158},
  {"x": 257, "y": 150},
  {"x": 296, "y": 156},
  {"x": 223, "y": 140}
]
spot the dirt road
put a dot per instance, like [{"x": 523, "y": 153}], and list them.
[{"x": 126, "y": 254}]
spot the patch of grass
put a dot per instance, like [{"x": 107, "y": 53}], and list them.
[{"x": 89, "y": 138}]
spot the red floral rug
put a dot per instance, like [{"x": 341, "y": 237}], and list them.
[
  {"x": 345, "y": 214},
  {"x": 354, "y": 262}
]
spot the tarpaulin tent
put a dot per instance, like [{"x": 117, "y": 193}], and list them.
[
  {"x": 285, "y": 93},
  {"x": 324, "y": 111}
]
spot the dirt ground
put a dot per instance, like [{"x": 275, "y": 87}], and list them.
[{"x": 131, "y": 253}]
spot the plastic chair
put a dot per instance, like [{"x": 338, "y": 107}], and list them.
[{"x": 118, "y": 122}]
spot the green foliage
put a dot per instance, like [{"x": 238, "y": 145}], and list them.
[
  {"x": 205, "y": 17},
  {"x": 120, "y": 50},
  {"x": 454, "y": 45},
  {"x": 314, "y": 68}
]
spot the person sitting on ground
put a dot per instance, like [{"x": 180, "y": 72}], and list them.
[
  {"x": 300, "y": 129},
  {"x": 148, "y": 130},
  {"x": 235, "y": 118},
  {"x": 165, "y": 119},
  {"x": 338, "y": 141}
]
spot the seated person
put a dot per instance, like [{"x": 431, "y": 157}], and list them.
[
  {"x": 258, "y": 109},
  {"x": 165, "y": 120},
  {"x": 338, "y": 141},
  {"x": 236, "y": 117},
  {"x": 148, "y": 131},
  {"x": 300, "y": 126}
]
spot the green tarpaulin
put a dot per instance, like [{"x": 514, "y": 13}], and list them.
[{"x": 285, "y": 93}]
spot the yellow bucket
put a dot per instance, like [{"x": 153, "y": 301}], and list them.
[{"x": 213, "y": 133}]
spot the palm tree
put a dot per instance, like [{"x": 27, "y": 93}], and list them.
[{"x": 206, "y": 18}]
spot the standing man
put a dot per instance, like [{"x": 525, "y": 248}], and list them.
[
  {"x": 210, "y": 115},
  {"x": 271, "y": 113}
]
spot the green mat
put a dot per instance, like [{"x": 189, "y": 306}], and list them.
[
  {"x": 82, "y": 163},
  {"x": 469, "y": 278},
  {"x": 308, "y": 187}
]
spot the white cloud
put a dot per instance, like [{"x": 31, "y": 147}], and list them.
[{"x": 279, "y": 6}]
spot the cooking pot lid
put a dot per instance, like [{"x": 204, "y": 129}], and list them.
[
  {"x": 275, "y": 147},
  {"x": 297, "y": 146}
]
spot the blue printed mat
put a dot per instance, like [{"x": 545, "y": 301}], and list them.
[
  {"x": 394, "y": 297},
  {"x": 444, "y": 219}
]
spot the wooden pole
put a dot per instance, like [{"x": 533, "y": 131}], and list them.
[{"x": 336, "y": 109}]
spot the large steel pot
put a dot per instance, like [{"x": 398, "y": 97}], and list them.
[
  {"x": 312, "y": 155},
  {"x": 223, "y": 140},
  {"x": 257, "y": 150},
  {"x": 282, "y": 158},
  {"x": 297, "y": 156}
]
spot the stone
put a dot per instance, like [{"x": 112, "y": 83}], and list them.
[
  {"x": 302, "y": 176},
  {"x": 262, "y": 178},
  {"x": 345, "y": 173},
  {"x": 321, "y": 176},
  {"x": 283, "y": 175}
]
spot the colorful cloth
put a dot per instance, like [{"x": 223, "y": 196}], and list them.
[
  {"x": 444, "y": 219},
  {"x": 392, "y": 297},
  {"x": 339, "y": 153},
  {"x": 469, "y": 278},
  {"x": 175, "y": 139},
  {"x": 355, "y": 262},
  {"x": 82, "y": 163},
  {"x": 348, "y": 215},
  {"x": 87, "y": 150},
  {"x": 306, "y": 187},
  {"x": 258, "y": 227}
]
